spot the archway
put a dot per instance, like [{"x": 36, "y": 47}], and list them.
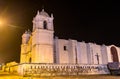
[{"x": 114, "y": 54}]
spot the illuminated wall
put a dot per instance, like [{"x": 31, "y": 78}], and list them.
[{"x": 40, "y": 46}]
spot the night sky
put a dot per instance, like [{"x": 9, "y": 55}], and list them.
[{"x": 89, "y": 21}]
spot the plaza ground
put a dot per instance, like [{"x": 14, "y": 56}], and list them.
[{"x": 5, "y": 75}]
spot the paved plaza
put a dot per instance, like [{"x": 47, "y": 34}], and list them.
[{"x": 5, "y": 75}]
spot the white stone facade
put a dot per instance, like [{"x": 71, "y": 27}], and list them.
[
  {"x": 42, "y": 53},
  {"x": 40, "y": 46}
]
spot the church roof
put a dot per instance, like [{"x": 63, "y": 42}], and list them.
[{"x": 43, "y": 13}]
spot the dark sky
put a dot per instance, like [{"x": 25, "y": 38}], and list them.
[{"x": 89, "y": 21}]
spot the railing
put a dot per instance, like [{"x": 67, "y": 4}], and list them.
[{"x": 62, "y": 69}]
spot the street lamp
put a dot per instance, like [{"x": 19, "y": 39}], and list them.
[
  {"x": 4, "y": 23},
  {"x": 0, "y": 22}
]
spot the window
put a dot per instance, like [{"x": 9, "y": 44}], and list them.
[
  {"x": 45, "y": 25},
  {"x": 30, "y": 60},
  {"x": 65, "y": 48}
]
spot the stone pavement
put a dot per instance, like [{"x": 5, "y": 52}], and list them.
[{"x": 6, "y": 75}]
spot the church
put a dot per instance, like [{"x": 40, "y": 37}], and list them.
[
  {"x": 40, "y": 46},
  {"x": 44, "y": 52}
]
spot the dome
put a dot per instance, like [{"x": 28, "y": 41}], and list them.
[{"x": 43, "y": 13}]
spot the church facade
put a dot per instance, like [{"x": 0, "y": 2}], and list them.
[
  {"x": 42, "y": 53},
  {"x": 40, "y": 46}
]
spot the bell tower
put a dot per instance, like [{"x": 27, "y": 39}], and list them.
[
  {"x": 24, "y": 46},
  {"x": 42, "y": 38}
]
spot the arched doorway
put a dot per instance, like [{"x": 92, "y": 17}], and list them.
[{"x": 114, "y": 54}]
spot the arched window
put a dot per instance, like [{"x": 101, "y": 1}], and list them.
[
  {"x": 30, "y": 60},
  {"x": 45, "y": 25}
]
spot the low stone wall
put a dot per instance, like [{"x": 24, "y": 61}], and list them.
[
  {"x": 60, "y": 69},
  {"x": 10, "y": 69}
]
